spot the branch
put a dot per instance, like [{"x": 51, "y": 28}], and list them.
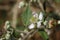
[
  {"x": 32, "y": 34},
  {"x": 28, "y": 35},
  {"x": 21, "y": 31},
  {"x": 14, "y": 18},
  {"x": 14, "y": 10}
]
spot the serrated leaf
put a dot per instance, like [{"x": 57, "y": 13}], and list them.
[
  {"x": 26, "y": 16},
  {"x": 43, "y": 35}
]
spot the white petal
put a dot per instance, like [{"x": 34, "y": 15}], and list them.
[
  {"x": 31, "y": 26},
  {"x": 39, "y": 24},
  {"x": 40, "y": 16}
]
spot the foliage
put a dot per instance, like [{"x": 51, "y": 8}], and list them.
[
  {"x": 43, "y": 34},
  {"x": 26, "y": 15},
  {"x": 28, "y": 18}
]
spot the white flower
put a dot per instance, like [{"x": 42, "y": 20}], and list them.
[
  {"x": 34, "y": 17},
  {"x": 21, "y": 4},
  {"x": 31, "y": 26},
  {"x": 38, "y": 24},
  {"x": 41, "y": 16}
]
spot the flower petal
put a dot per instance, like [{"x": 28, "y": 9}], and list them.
[{"x": 31, "y": 26}]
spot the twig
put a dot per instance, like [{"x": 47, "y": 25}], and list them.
[
  {"x": 32, "y": 34},
  {"x": 21, "y": 31},
  {"x": 28, "y": 35}
]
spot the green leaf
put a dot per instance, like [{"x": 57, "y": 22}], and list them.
[
  {"x": 26, "y": 15},
  {"x": 43, "y": 34}
]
